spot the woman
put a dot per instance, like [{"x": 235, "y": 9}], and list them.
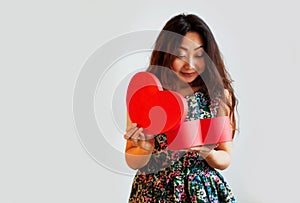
[{"x": 186, "y": 59}]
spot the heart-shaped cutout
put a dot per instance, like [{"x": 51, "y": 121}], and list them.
[{"x": 152, "y": 108}]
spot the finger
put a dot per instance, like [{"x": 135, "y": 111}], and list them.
[
  {"x": 127, "y": 135},
  {"x": 131, "y": 127},
  {"x": 210, "y": 146},
  {"x": 135, "y": 136},
  {"x": 205, "y": 149},
  {"x": 213, "y": 145},
  {"x": 142, "y": 136},
  {"x": 130, "y": 132},
  {"x": 142, "y": 140},
  {"x": 149, "y": 137},
  {"x": 144, "y": 143},
  {"x": 195, "y": 148}
]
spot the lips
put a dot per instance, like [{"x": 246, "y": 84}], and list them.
[{"x": 188, "y": 75}]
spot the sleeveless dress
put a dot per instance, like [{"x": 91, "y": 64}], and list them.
[{"x": 181, "y": 176}]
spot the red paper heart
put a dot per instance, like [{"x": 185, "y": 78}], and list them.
[{"x": 152, "y": 108}]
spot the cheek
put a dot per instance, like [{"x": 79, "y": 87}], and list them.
[
  {"x": 200, "y": 66},
  {"x": 177, "y": 64}
]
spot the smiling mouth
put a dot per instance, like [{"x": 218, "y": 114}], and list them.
[{"x": 188, "y": 75}]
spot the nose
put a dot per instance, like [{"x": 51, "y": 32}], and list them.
[{"x": 189, "y": 63}]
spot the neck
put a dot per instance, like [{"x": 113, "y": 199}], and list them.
[{"x": 188, "y": 90}]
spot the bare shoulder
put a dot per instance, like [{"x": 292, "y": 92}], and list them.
[
  {"x": 227, "y": 95},
  {"x": 224, "y": 109}
]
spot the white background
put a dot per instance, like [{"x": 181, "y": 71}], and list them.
[{"x": 44, "y": 45}]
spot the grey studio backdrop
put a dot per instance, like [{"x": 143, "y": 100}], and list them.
[{"x": 44, "y": 47}]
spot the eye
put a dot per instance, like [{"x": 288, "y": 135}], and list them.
[
  {"x": 181, "y": 53},
  {"x": 200, "y": 55}
]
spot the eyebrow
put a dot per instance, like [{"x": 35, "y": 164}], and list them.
[{"x": 181, "y": 47}]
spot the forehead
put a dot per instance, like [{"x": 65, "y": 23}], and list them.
[{"x": 192, "y": 40}]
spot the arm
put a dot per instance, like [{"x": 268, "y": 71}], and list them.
[
  {"x": 220, "y": 157},
  {"x": 138, "y": 150}
]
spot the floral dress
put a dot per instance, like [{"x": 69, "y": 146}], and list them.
[{"x": 181, "y": 176}]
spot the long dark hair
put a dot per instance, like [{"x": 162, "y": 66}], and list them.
[{"x": 215, "y": 76}]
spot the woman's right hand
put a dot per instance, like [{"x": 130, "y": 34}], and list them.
[{"x": 138, "y": 138}]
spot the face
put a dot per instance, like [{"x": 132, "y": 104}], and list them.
[{"x": 189, "y": 62}]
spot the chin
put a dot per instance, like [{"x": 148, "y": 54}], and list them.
[{"x": 189, "y": 80}]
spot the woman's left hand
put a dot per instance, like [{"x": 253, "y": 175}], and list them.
[{"x": 205, "y": 150}]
